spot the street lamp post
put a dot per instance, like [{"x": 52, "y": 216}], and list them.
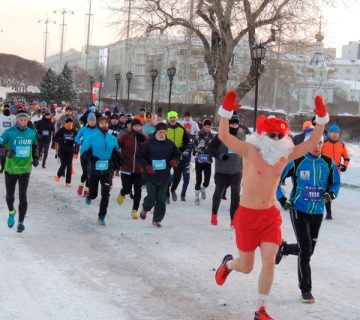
[
  {"x": 258, "y": 54},
  {"x": 153, "y": 75},
  {"x": 92, "y": 80},
  {"x": 129, "y": 77},
  {"x": 101, "y": 79},
  {"x": 117, "y": 79},
  {"x": 171, "y": 74}
]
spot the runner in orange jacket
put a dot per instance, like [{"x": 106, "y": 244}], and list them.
[{"x": 336, "y": 150}]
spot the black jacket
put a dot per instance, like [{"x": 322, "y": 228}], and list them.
[
  {"x": 153, "y": 151},
  {"x": 83, "y": 118},
  {"x": 66, "y": 140},
  {"x": 45, "y": 129}
]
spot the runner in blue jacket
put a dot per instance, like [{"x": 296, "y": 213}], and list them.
[
  {"x": 85, "y": 132},
  {"x": 103, "y": 153},
  {"x": 315, "y": 181}
]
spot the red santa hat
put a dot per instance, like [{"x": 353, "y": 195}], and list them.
[{"x": 272, "y": 124}]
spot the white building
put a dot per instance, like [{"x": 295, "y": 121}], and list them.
[{"x": 351, "y": 51}]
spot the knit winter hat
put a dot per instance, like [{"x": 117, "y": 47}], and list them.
[
  {"x": 334, "y": 128},
  {"x": 136, "y": 122},
  {"x": 91, "y": 117},
  {"x": 22, "y": 114},
  {"x": 308, "y": 133},
  {"x": 161, "y": 126},
  {"x": 207, "y": 122},
  {"x": 172, "y": 114},
  {"x": 69, "y": 119}
]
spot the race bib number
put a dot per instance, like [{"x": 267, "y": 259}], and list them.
[
  {"x": 203, "y": 157},
  {"x": 313, "y": 194},
  {"x": 45, "y": 133},
  {"x": 159, "y": 164},
  {"x": 22, "y": 151},
  {"x": 102, "y": 165},
  {"x": 68, "y": 136},
  {"x": 6, "y": 124}
]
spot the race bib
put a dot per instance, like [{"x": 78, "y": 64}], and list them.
[
  {"x": 102, "y": 165},
  {"x": 22, "y": 151},
  {"x": 6, "y": 124},
  {"x": 187, "y": 153},
  {"x": 45, "y": 133},
  {"x": 313, "y": 194},
  {"x": 159, "y": 164},
  {"x": 68, "y": 136},
  {"x": 203, "y": 158}
]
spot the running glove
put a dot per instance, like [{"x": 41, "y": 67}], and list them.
[
  {"x": 150, "y": 170},
  {"x": 173, "y": 163},
  {"x": 286, "y": 204},
  {"x": 343, "y": 168},
  {"x": 35, "y": 162},
  {"x": 329, "y": 196}
]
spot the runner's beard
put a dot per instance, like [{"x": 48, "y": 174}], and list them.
[{"x": 271, "y": 150}]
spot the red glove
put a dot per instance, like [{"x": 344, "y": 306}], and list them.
[
  {"x": 150, "y": 170},
  {"x": 229, "y": 105},
  {"x": 321, "y": 115},
  {"x": 76, "y": 156},
  {"x": 173, "y": 163}
]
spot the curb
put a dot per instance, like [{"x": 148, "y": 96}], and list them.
[{"x": 350, "y": 186}]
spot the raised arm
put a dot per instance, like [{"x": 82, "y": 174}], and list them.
[
  {"x": 321, "y": 118},
  {"x": 225, "y": 112}
]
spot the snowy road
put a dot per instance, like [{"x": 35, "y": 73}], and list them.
[{"x": 65, "y": 267}]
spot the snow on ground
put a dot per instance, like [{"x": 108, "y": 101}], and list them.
[{"x": 64, "y": 266}]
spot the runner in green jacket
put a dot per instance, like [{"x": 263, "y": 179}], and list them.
[{"x": 21, "y": 152}]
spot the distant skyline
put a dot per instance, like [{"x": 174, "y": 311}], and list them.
[{"x": 23, "y": 36}]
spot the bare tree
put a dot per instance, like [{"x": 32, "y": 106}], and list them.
[{"x": 220, "y": 25}]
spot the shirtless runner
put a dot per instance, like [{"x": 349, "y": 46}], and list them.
[{"x": 257, "y": 220}]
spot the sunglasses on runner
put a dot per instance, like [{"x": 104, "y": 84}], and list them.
[{"x": 272, "y": 135}]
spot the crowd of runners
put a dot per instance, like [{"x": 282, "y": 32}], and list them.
[{"x": 153, "y": 155}]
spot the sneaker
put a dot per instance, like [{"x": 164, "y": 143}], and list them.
[
  {"x": 11, "y": 218},
  {"x": 280, "y": 252},
  {"x": 143, "y": 214},
  {"x": 203, "y": 193},
  {"x": 214, "y": 220},
  {"x": 134, "y": 214},
  {"x": 197, "y": 197},
  {"x": 57, "y": 179},
  {"x": 328, "y": 217},
  {"x": 261, "y": 314},
  {"x": 232, "y": 223},
  {"x": 68, "y": 185},
  {"x": 101, "y": 221},
  {"x": 20, "y": 227},
  {"x": 87, "y": 200},
  {"x": 120, "y": 199},
  {"x": 307, "y": 297},
  {"x": 224, "y": 197},
  {"x": 43, "y": 166},
  {"x": 80, "y": 189},
  {"x": 156, "y": 224},
  {"x": 183, "y": 198},
  {"x": 223, "y": 271},
  {"x": 173, "y": 195}
]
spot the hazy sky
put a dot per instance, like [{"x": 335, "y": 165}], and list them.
[{"x": 24, "y": 36}]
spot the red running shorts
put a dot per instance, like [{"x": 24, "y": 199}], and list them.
[{"x": 253, "y": 226}]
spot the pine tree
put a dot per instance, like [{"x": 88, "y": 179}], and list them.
[
  {"x": 66, "y": 90},
  {"x": 49, "y": 86}
]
